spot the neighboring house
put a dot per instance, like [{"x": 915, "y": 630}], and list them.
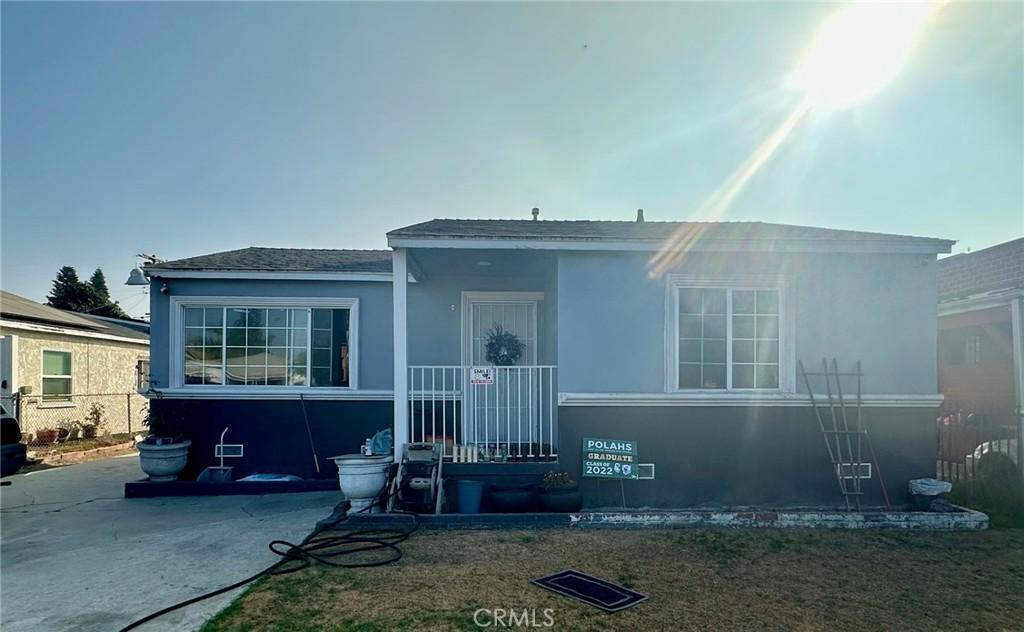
[
  {"x": 683, "y": 337},
  {"x": 981, "y": 346},
  {"x": 62, "y": 363}
]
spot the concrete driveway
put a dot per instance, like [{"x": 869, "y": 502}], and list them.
[{"x": 75, "y": 554}]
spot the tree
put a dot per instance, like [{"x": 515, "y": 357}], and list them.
[
  {"x": 99, "y": 283},
  {"x": 74, "y": 295},
  {"x": 70, "y": 293}
]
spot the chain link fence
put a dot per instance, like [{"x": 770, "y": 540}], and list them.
[{"x": 79, "y": 421}]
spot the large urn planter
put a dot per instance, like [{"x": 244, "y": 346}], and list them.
[
  {"x": 362, "y": 479},
  {"x": 163, "y": 461}
]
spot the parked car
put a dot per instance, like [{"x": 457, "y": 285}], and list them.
[
  {"x": 991, "y": 455},
  {"x": 12, "y": 450}
]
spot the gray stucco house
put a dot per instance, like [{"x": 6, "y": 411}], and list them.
[{"x": 682, "y": 337}]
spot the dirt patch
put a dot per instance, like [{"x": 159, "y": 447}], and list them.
[
  {"x": 85, "y": 453},
  {"x": 696, "y": 579}
]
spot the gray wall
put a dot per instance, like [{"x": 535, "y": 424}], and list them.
[
  {"x": 435, "y": 329},
  {"x": 879, "y": 309},
  {"x": 375, "y": 325},
  {"x": 602, "y": 319}
]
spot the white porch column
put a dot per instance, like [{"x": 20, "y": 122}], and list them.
[
  {"x": 1017, "y": 339},
  {"x": 400, "y": 280}
]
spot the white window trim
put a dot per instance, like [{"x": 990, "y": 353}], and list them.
[
  {"x": 70, "y": 403},
  {"x": 787, "y": 350},
  {"x": 177, "y": 347}
]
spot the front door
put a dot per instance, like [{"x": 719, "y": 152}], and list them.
[{"x": 501, "y": 416}]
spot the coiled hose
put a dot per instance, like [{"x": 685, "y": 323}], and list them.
[{"x": 316, "y": 547}]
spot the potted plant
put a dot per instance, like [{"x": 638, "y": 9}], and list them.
[
  {"x": 503, "y": 348},
  {"x": 558, "y": 492},
  {"x": 163, "y": 454},
  {"x": 46, "y": 435},
  {"x": 510, "y": 498}
]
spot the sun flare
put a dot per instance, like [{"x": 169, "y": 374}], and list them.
[{"x": 859, "y": 50}]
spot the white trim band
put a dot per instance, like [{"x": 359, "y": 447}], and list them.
[
  {"x": 905, "y": 246},
  {"x": 381, "y": 277},
  {"x": 740, "y": 399},
  {"x": 276, "y": 392}
]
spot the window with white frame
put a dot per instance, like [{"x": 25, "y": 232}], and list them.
[
  {"x": 972, "y": 351},
  {"x": 56, "y": 376},
  {"x": 728, "y": 338},
  {"x": 266, "y": 346}
]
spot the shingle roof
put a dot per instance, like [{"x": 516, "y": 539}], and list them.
[
  {"x": 286, "y": 260},
  {"x": 136, "y": 329},
  {"x": 593, "y": 230},
  {"x": 17, "y": 307},
  {"x": 998, "y": 267}
]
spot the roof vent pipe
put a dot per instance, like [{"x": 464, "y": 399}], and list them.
[
  {"x": 535, "y": 212},
  {"x": 640, "y": 215}
]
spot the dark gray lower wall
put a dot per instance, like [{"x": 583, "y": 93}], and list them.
[
  {"x": 274, "y": 433},
  {"x": 732, "y": 456}
]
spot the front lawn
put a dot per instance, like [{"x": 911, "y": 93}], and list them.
[{"x": 696, "y": 579}]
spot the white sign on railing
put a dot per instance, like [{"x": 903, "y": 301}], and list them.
[{"x": 481, "y": 375}]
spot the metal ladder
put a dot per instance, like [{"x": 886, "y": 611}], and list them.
[{"x": 843, "y": 441}]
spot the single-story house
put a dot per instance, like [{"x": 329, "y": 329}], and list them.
[
  {"x": 57, "y": 366},
  {"x": 981, "y": 342},
  {"x": 680, "y": 337}
]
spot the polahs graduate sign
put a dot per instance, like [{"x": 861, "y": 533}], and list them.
[{"x": 609, "y": 458}]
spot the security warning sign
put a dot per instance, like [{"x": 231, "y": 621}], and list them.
[
  {"x": 609, "y": 458},
  {"x": 481, "y": 375}
]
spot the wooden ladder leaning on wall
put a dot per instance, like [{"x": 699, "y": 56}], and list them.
[{"x": 845, "y": 439}]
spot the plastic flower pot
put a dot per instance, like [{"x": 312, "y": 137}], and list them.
[
  {"x": 560, "y": 499},
  {"x": 510, "y": 498}
]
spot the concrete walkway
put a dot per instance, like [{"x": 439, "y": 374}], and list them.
[{"x": 75, "y": 554}]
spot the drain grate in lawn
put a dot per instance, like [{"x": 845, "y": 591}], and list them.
[{"x": 590, "y": 590}]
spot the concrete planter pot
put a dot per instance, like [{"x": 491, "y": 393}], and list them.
[
  {"x": 362, "y": 478},
  {"x": 163, "y": 462}
]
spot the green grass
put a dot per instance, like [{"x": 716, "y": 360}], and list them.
[{"x": 696, "y": 579}]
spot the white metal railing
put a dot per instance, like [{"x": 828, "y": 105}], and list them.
[{"x": 513, "y": 417}]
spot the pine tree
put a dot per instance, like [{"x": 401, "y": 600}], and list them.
[
  {"x": 74, "y": 295},
  {"x": 70, "y": 293},
  {"x": 99, "y": 283},
  {"x": 107, "y": 307}
]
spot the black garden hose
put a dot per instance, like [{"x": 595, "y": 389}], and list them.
[{"x": 316, "y": 547}]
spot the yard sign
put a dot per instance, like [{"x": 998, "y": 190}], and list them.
[
  {"x": 481, "y": 375},
  {"x": 609, "y": 458}
]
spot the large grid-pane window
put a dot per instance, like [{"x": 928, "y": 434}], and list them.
[
  {"x": 266, "y": 346},
  {"x": 728, "y": 338}
]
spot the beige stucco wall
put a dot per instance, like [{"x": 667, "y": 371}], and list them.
[{"x": 103, "y": 372}]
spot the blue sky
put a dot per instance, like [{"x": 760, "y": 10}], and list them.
[{"x": 183, "y": 129}]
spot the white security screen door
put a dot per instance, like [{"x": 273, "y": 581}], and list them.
[
  {"x": 502, "y": 414},
  {"x": 7, "y": 386}
]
